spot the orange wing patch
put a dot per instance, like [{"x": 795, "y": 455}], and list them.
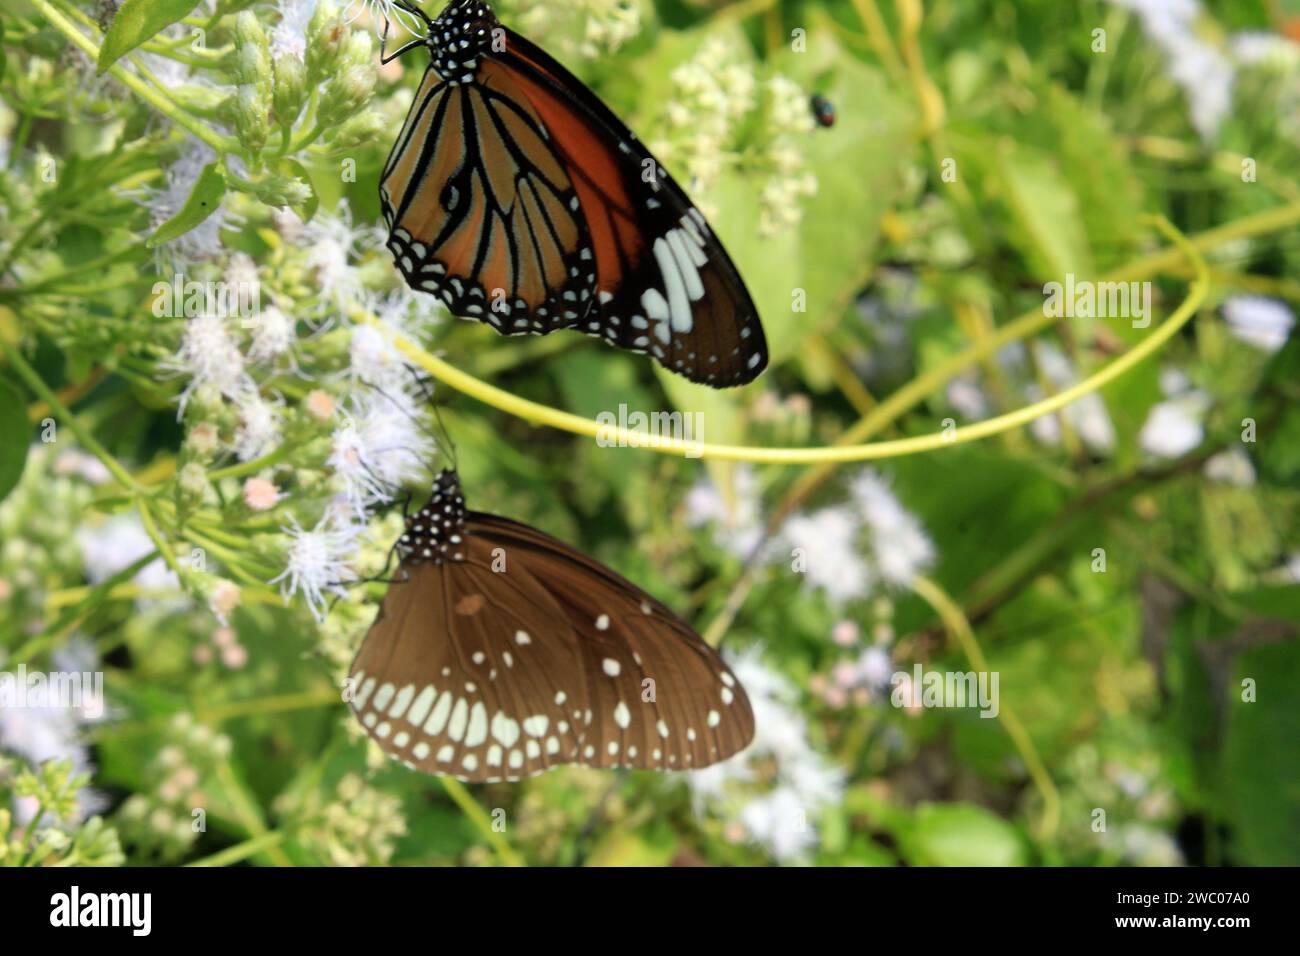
[{"x": 481, "y": 210}]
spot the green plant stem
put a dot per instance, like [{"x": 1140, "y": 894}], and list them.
[
  {"x": 46, "y": 394},
  {"x": 246, "y": 468},
  {"x": 161, "y": 543},
  {"x": 71, "y": 617},
  {"x": 242, "y": 851},
  {"x": 245, "y": 808},
  {"x": 478, "y": 816},
  {"x": 141, "y": 89},
  {"x": 960, "y": 630}
]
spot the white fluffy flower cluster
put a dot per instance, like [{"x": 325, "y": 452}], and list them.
[
  {"x": 604, "y": 26},
  {"x": 776, "y": 808},
  {"x": 848, "y": 551},
  {"x": 1175, "y": 426},
  {"x": 734, "y": 515},
  {"x": 716, "y": 101}
]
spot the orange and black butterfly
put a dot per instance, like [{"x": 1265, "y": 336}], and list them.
[
  {"x": 500, "y": 652},
  {"x": 515, "y": 195}
]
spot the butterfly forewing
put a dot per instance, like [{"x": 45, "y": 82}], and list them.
[
  {"x": 499, "y": 652},
  {"x": 522, "y": 201}
]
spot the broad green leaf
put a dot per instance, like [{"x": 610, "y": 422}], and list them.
[
  {"x": 14, "y": 438},
  {"x": 137, "y": 21},
  {"x": 205, "y": 197},
  {"x": 1261, "y": 753},
  {"x": 859, "y": 165},
  {"x": 1046, "y": 224},
  {"x": 960, "y": 834}
]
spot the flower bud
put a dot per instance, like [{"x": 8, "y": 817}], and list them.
[
  {"x": 252, "y": 53},
  {"x": 193, "y": 481},
  {"x": 360, "y": 130},
  {"x": 203, "y": 439},
  {"x": 326, "y": 36},
  {"x": 350, "y": 90},
  {"x": 280, "y": 191},
  {"x": 346, "y": 93},
  {"x": 252, "y": 118},
  {"x": 357, "y": 50},
  {"x": 290, "y": 87}
]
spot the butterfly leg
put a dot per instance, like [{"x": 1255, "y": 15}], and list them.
[
  {"x": 406, "y": 48},
  {"x": 418, "y": 41}
]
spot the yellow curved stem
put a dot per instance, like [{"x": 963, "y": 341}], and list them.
[{"x": 539, "y": 414}]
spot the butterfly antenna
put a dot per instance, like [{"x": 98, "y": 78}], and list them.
[
  {"x": 448, "y": 449},
  {"x": 451, "y": 445},
  {"x": 444, "y": 440}
]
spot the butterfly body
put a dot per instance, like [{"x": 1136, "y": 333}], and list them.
[
  {"x": 523, "y": 202},
  {"x": 500, "y": 652}
]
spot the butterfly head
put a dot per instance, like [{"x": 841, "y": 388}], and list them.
[
  {"x": 458, "y": 39},
  {"x": 437, "y": 531}
]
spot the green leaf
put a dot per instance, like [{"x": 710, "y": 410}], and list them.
[
  {"x": 859, "y": 166},
  {"x": 136, "y": 22},
  {"x": 14, "y": 438},
  {"x": 960, "y": 834},
  {"x": 1261, "y": 758},
  {"x": 1046, "y": 223},
  {"x": 205, "y": 197}
]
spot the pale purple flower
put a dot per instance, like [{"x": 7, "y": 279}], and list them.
[
  {"x": 1231, "y": 467},
  {"x": 825, "y": 545},
  {"x": 333, "y": 242},
  {"x": 274, "y": 335},
  {"x": 875, "y": 666},
  {"x": 115, "y": 545},
  {"x": 1259, "y": 321},
  {"x": 87, "y": 467},
  {"x": 736, "y": 519},
  {"x": 966, "y": 397},
  {"x": 209, "y": 356},
  {"x": 1203, "y": 72},
  {"x": 1174, "y": 427},
  {"x": 289, "y": 35},
  {"x": 319, "y": 561},
  {"x": 1086, "y": 415},
  {"x": 378, "y": 448},
  {"x": 780, "y": 819},
  {"x": 258, "y": 432},
  {"x": 899, "y": 545}
]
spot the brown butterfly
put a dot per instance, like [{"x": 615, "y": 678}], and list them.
[{"x": 500, "y": 652}]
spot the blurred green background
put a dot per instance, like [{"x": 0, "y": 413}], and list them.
[{"x": 1128, "y": 566}]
